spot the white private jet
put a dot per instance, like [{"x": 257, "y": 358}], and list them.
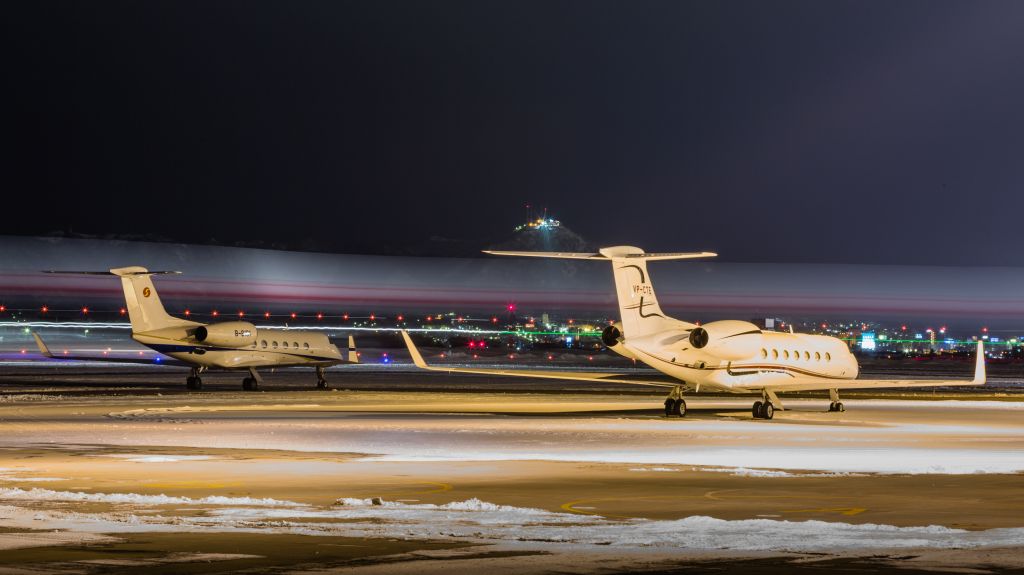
[
  {"x": 729, "y": 355},
  {"x": 234, "y": 345}
]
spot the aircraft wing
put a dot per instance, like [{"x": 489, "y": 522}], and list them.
[
  {"x": 44, "y": 350},
  {"x": 799, "y": 383},
  {"x": 417, "y": 359}
]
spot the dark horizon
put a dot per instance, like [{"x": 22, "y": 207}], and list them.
[{"x": 796, "y": 131}]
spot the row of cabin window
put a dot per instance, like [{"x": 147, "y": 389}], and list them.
[
  {"x": 795, "y": 355},
  {"x": 284, "y": 344}
]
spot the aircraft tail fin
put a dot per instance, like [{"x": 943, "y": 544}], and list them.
[
  {"x": 145, "y": 310},
  {"x": 638, "y": 305}
]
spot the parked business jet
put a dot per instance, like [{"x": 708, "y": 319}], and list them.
[
  {"x": 728, "y": 355},
  {"x": 236, "y": 345}
]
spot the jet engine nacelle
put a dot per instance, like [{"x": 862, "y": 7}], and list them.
[
  {"x": 728, "y": 339},
  {"x": 227, "y": 334},
  {"x": 612, "y": 338}
]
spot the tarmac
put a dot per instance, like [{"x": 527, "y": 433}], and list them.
[{"x": 119, "y": 469}]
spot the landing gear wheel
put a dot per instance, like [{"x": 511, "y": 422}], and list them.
[
  {"x": 322, "y": 384},
  {"x": 756, "y": 410},
  {"x": 670, "y": 405},
  {"x": 193, "y": 383},
  {"x": 680, "y": 407},
  {"x": 767, "y": 410},
  {"x": 840, "y": 407},
  {"x": 250, "y": 384}
]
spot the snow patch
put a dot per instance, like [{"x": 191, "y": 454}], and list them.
[{"x": 37, "y": 494}]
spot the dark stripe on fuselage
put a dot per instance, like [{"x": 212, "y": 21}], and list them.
[{"x": 167, "y": 348}]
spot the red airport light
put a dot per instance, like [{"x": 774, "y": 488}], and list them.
[
  {"x": 494, "y": 320},
  {"x": 85, "y": 310},
  {"x": 187, "y": 313},
  {"x": 429, "y": 318},
  {"x": 511, "y": 307},
  {"x": 442, "y": 356},
  {"x": 372, "y": 317},
  {"x": 319, "y": 316},
  {"x": 215, "y": 313},
  {"x": 472, "y": 344},
  {"x": 590, "y": 358},
  {"x": 345, "y": 317},
  {"x": 45, "y": 309},
  {"x": 123, "y": 311},
  {"x": 3, "y": 308},
  {"x": 475, "y": 356},
  {"x": 904, "y": 328},
  {"x": 241, "y": 314},
  {"x": 983, "y": 330},
  {"x": 24, "y": 351},
  {"x": 266, "y": 314},
  {"x": 511, "y": 356},
  {"x": 572, "y": 321},
  {"x": 400, "y": 318},
  {"x": 293, "y": 315},
  {"x": 551, "y": 357}
]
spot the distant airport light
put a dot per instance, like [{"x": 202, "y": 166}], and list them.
[
  {"x": 493, "y": 319},
  {"x": 215, "y": 313},
  {"x": 123, "y": 311},
  {"x": 344, "y": 317},
  {"x": 904, "y": 328},
  {"x": 511, "y": 307},
  {"x": 85, "y": 310},
  {"x": 3, "y": 308},
  {"x": 475, "y": 356},
  {"x": 372, "y": 317},
  {"x": 188, "y": 313},
  {"x": 429, "y": 318},
  {"x": 590, "y": 358},
  {"x": 293, "y": 315},
  {"x": 45, "y": 309},
  {"x": 572, "y": 321},
  {"x": 983, "y": 330},
  {"x": 266, "y": 314},
  {"x": 400, "y": 318},
  {"x": 551, "y": 357},
  {"x": 319, "y": 316},
  {"x": 241, "y": 314},
  {"x": 24, "y": 351}
]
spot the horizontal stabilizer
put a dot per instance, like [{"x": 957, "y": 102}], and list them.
[
  {"x": 133, "y": 271},
  {"x": 607, "y": 255}
]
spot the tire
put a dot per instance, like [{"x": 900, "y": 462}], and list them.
[
  {"x": 832, "y": 407},
  {"x": 840, "y": 407},
  {"x": 322, "y": 384},
  {"x": 680, "y": 407},
  {"x": 768, "y": 410},
  {"x": 249, "y": 384},
  {"x": 756, "y": 410},
  {"x": 669, "y": 406}
]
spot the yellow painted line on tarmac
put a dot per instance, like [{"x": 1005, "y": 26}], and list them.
[
  {"x": 191, "y": 485},
  {"x": 841, "y": 510}
]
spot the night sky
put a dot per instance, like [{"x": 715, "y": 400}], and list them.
[{"x": 847, "y": 132}]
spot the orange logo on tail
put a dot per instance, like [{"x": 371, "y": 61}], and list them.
[{"x": 145, "y": 292}]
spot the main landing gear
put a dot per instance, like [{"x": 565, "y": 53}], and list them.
[
  {"x": 835, "y": 405},
  {"x": 765, "y": 409},
  {"x": 321, "y": 378},
  {"x": 251, "y": 383},
  {"x": 193, "y": 381},
  {"x": 675, "y": 405}
]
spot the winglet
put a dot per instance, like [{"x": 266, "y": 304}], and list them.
[
  {"x": 415, "y": 353},
  {"x": 353, "y": 355},
  {"x": 979, "y": 365},
  {"x": 42, "y": 346}
]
